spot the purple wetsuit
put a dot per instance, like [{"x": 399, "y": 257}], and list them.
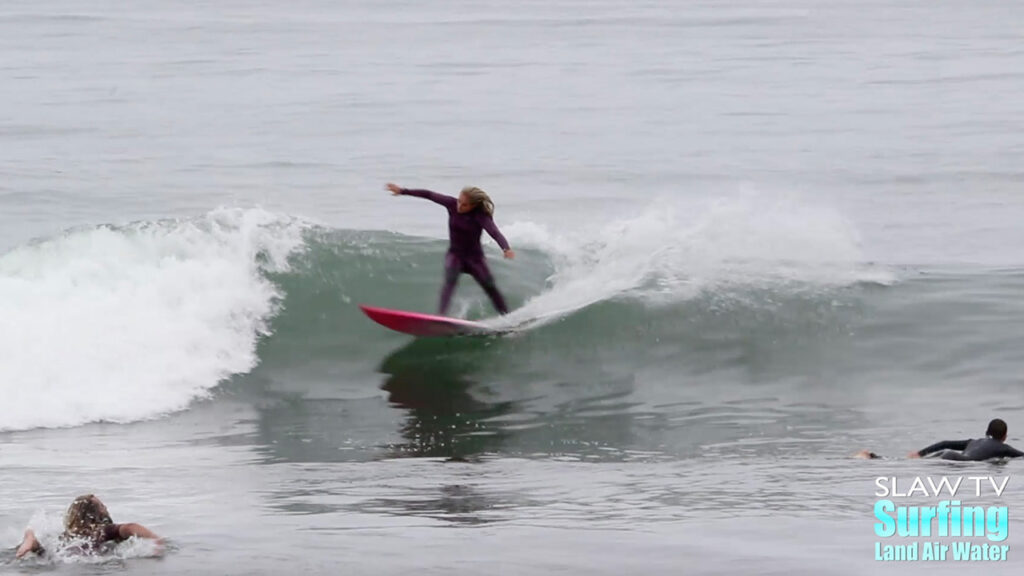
[{"x": 464, "y": 251}]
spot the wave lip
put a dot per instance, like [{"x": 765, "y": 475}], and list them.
[{"x": 126, "y": 323}]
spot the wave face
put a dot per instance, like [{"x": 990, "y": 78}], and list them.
[{"x": 119, "y": 324}]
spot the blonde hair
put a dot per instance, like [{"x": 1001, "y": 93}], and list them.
[
  {"x": 479, "y": 198},
  {"x": 85, "y": 515}
]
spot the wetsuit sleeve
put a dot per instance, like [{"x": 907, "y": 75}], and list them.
[
  {"x": 1007, "y": 451},
  {"x": 944, "y": 445},
  {"x": 112, "y": 533},
  {"x": 493, "y": 232},
  {"x": 448, "y": 202}
]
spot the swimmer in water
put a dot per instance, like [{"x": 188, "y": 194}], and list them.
[
  {"x": 993, "y": 445},
  {"x": 88, "y": 526},
  {"x": 468, "y": 215}
]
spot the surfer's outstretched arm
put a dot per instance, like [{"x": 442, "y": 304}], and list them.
[
  {"x": 446, "y": 201},
  {"x": 944, "y": 445}
]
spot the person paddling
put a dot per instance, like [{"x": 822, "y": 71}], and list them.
[
  {"x": 993, "y": 445},
  {"x": 88, "y": 529}
]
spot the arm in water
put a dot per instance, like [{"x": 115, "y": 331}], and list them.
[
  {"x": 29, "y": 544},
  {"x": 126, "y": 531},
  {"x": 492, "y": 230},
  {"x": 944, "y": 445},
  {"x": 446, "y": 201},
  {"x": 1009, "y": 452},
  {"x": 122, "y": 532}
]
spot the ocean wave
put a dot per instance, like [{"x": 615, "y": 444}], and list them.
[{"x": 123, "y": 323}]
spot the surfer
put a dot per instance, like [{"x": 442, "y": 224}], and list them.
[
  {"x": 89, "y": 528},
  {"x": 468, "y": 215},
  {"x": 993, "y": 445}
]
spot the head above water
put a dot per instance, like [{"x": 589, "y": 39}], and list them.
[
  {"x": 85, "y": 514},
  {"x": 997, "y": 430},
  {"x": 472, "y": 198}
]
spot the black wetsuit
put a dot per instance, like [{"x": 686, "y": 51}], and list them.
[{"x": 976, "y": 449}]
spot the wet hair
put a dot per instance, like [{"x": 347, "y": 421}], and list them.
[
  {"x": 996, "y": 429},
  {"x": 85, "y": 515},
  {"x": 479, "y": 198}
]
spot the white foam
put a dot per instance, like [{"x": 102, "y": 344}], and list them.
[
  {"x": 671, "y": 250},
  {"x": 123, "y": 324}
]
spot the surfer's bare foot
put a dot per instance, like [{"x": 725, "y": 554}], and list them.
[
  {"x": 914, "y": 454},
  {"x": 865, "y": 455}
]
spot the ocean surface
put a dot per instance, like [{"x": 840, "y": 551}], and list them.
[{"x": 753, "y": 238}]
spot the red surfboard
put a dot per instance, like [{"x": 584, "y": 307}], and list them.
[{"x": 424, "y": 325}]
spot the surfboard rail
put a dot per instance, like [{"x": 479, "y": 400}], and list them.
[{"x": 423, "y": 325}]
